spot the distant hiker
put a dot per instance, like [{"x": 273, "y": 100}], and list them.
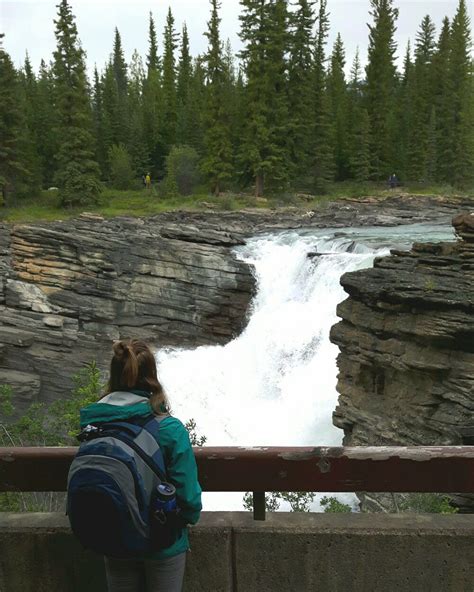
[
  {"x": 148, "y": 182},
  {"x": 393, "y": 181},
  {"x": 144, "y": 180}
]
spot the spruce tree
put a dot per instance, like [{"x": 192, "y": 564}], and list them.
[
  {"x": 152, "y": 60},
  {"x": 119, "y": 66},
  {"x": 405, "y": 115},
  {"x": 443, "y": 102},
  {"x": 46, "y": 121},
  {"x": 27, "y": 99},
  {"x": 358, "y": 126},
  {"x": 231, "y": 97},
  {"x": 217, "y": 164},
  {"x": 170, "y": 116},
  {"x": 338, "y": 100},
  {"x": 264, "y": 152},
  {"x": 280, "y": 165},
  {"x": 300, "y": 86},
  {"x": 137, "y": 146},
  {"x": 99, "y": 130},
  {"x": 14, "y": 173},
  {"x": 461, "y": 77},
  {"x": 381, "y": 86},
  {"x": 323, "y": 139},
  {"x": 422, "y": 96},
  {"x": 183, "y": 89},
  {"x": 112, "y": 130},
  {"x": 153, "y": 106},
  {"x": 196, "y": 107},
  {"x": 78, "y": 172}
]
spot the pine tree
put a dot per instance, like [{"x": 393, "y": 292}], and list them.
[
  {"x": 300, "y": 86},
  {"x": 405, "y": 100},
  {"x": 46, "y": 122},
  {"x": 14, "y": 174},
  {"x": 417, "y": 147},
  {"x": 119, "y": 66},
  {"x": 461, "y": 76},
  {"x": 338, "y": 100},
  {"x": 280, "y": 169},
  {"x": 111, "y": 119},
  {"x": 78, "y": 174},
  {"x": 183, "y": 86},
  {"x": 442, "y": 99},
  {"x": 217, "y": 164},
  {"x": 137, "y": 147},
  {"x": 323, "y": 141},
  {"x": 27, "y": 98},
  {"x": 152, "y": 60},
  {"x": 231, "y": 97},
  {"x": 358, "y": 126},
  {"x": 98, "y": 118},
  {"x": 381, "y": 86},
  {"x": 196, "y": 107},
  {"x": 170, "y": 116},
  {"x": 359, "y": 159},
  {"x": 264, "y": 150},
  {"x": 153, "y": 106}
]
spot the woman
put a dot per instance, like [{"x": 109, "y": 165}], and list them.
[{"x": 134, "y": 392}]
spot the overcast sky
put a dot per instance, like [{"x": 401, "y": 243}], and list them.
[{"x": 28, "y": 24}]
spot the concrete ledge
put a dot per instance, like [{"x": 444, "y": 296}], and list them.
[{"x": 290, "y": 552}]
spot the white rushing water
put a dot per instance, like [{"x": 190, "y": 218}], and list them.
[{"x": 275, "y": 384}]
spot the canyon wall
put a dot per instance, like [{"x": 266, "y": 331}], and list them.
[
  {"x": 67, "y": 289},
  {"x": 406, "y": 339}
]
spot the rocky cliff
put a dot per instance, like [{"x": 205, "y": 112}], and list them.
[
  {"x": 407, "y": 347},
  {"x": 68, "y": 289}
]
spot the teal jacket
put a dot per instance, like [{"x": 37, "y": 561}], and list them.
[{"x": 173, "y": 440}]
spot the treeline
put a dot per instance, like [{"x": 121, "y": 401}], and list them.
[{"x": 281, "y": 114}]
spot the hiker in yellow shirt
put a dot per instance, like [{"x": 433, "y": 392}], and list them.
[{"x": 148, "y": 182}]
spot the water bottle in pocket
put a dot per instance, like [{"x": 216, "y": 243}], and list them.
[{"x": 166, "y": 521}]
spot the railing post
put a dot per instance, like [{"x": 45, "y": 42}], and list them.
[{"x": 258, "y": 505}]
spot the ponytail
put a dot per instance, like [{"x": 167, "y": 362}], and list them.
[
  {"x": 124, "y": 354},
  {"x": 133, "y": 366}
]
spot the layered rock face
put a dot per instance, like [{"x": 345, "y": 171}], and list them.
[
  {"x": 407, "y": 347},
  {"x": 68, "y": 289}
]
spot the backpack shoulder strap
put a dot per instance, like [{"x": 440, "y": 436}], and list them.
[{"x": 152, "y": 426}]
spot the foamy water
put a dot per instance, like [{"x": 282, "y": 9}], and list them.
[{"x": 275, "y": 384}]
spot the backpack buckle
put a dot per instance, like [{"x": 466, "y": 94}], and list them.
[{"x": 89, "y": 433}]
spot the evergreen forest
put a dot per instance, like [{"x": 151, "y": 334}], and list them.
[{"x": 283, "y": 114}]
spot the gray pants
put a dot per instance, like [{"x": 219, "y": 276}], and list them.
[{"x": 163, "y": 575}]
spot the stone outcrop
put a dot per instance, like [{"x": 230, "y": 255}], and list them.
[
  {"x": 368, "y": 211},
  {"x": 407, "y": 347},
  {"x": 68, "y": 289}
]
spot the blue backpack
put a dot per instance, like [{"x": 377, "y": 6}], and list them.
[{"x": 111, "y": 488}]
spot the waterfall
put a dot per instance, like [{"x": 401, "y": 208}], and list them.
[{"x": 275, "y": 384}]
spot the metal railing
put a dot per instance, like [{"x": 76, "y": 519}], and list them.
[{"x": 321, "y": 469}]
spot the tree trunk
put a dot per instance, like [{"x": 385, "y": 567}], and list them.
[
  {"x": 259, "y": 185},
  {"x": 217, "y": 189}
]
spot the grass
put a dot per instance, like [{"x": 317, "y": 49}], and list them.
[{"x": 115, "y": 203}]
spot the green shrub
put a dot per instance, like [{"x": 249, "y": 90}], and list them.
[
  {"x": 43, "y": 425},
  {"x": 427, "y": 503},
  {"x": 120, "y": 165},
  {"x": 332, "y": 505},
  {"x": 182, "y": 171}
]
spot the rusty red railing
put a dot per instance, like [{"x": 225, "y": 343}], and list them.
[{"x": 322, "y": 469}]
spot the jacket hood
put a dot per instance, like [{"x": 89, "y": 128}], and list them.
[{"x": 117, "y": 406}]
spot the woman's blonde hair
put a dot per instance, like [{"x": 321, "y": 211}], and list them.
[{"x": 133, "y": 367}]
